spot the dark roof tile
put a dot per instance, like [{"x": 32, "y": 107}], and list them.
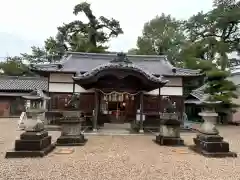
[
  {"x": 199, "y": 93},
  {"x": 85, "y": 62},
  {"x": 23, "y": 83}
]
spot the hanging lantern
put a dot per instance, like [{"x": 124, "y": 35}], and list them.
[
  {"x": 132, "y": 98},
  {"x": 109, "y": 97},
  {"x": 121, "y": 97},
  {"x": 118, "y": 97},
  {"x": 126, "y": 97},
  {"x": 104, "y": 97},
  {"x": 114, "y": 97}
]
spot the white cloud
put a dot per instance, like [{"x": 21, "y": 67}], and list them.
[{"x": 34, "y": 20}]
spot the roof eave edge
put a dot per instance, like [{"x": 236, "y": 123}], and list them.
[{"x": 195, "y": 96}]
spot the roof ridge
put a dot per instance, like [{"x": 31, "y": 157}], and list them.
[
  {"x": 21, "y": 77},
  {"x": 152, "y": 57},
  {"x": 182, "y": 69}
]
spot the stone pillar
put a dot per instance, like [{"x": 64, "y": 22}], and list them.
[
  {"x": 141, "y": 113},
  {"x": 96, "y": 109}
]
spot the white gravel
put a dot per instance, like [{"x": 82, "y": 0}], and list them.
[{"x": 119, "y": 158}]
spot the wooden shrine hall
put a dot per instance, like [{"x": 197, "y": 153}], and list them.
[{"x": 115, "y": 88}]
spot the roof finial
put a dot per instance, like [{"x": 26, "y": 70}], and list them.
[{"x": 121, "y": 58}]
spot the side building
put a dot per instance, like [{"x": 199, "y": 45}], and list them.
[{"x": 11, "y": 90}]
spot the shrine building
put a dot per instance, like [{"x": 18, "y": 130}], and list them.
[{"x": 114, "y": 88}]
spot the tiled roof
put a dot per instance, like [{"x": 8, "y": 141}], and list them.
[
  {"x": 23, "y": 83},
  {"x": 85, "y": 62},
  {"x": 187, "y": 72},
  {"x": 199, "y": 93},
  {"x": 130, "y": 66}
]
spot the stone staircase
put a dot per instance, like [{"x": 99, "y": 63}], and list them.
[
  {"x": 117, "y": 126},
  {"x": 115, "y": 129}
]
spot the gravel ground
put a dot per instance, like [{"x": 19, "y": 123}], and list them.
[{"x": 120, "y": 158}]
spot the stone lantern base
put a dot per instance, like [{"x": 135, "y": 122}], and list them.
[
  {"x": 208, "y": 141},
  {"x": 169, "y": 134},
  {"x": 71, "y": 134},
  {"x": 71, "y": 140},
  {"x": 211, "y": 146},
  {"x": 169, "y": 141},
  {"x": 32, "y": 144}
]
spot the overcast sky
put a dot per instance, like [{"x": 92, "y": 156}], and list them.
[{"x": 24, "y": 23}]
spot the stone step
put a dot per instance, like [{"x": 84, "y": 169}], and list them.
[
  {"x": 116, "y": 126},
  {"x": 112, "y": 134},
  {"x": 114, "y": 131}
]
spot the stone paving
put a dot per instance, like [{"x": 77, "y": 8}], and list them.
[{"x": 119, "y": 158}]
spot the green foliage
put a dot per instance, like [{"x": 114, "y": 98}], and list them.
[
  {"x": 202, "y": 42},
  {"x": 132, "y": 51},
  {"x": 220, "y": 89},
  {"x": 193, "y": 56},
  {"x": 54, "y": 49},
  {"x": 38, "y": 55},
  {"x": 13, "y": 66},
  {"x": 162, "y": 35},
  {"x": 215, "y": 75},
  {"x": 217, "y": 30},
  {"x": 211, "y": 36}
]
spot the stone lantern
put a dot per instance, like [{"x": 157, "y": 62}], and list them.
[
  {"x": 169, "y": 133},
  {"x": 71, "y": 123},
  {"x": 35, "y": 141},
  {"x": 36, "y": 108},
  {"x": 208, "y": 141},
  {"x": 71, "y": 134}
]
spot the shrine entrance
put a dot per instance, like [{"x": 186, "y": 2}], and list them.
[{"x": 117, "y": 106}]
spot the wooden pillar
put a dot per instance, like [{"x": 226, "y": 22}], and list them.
[
  {"x": 159, "y": 100},
  {"x": 141, "y": 113},
  {"x": 96, "y": 109}
]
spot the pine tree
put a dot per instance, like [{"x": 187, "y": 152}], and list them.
[{"x": 219, "y": 88}]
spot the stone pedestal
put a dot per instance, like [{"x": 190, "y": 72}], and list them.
[
  {"x": 208, "y": 141},
  {"x": 32, "y": 144},
  {"x": 169, "y": 134},
  {"x": 141, "y": 131},
  {"x": 71, "y": 134}
]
